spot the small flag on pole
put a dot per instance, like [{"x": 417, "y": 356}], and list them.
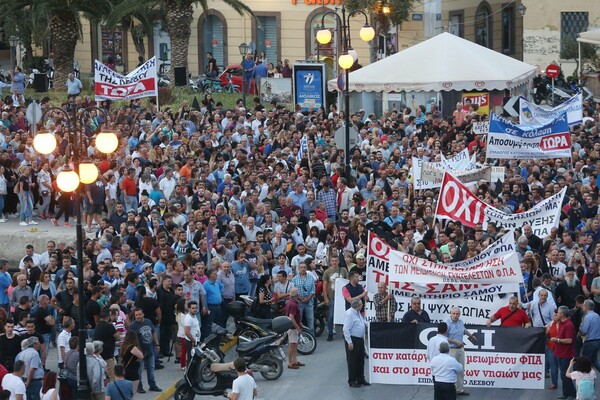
[{"x": 303, "y": 147}]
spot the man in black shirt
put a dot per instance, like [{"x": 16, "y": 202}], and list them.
[
  {"x": 31, "y": 330},
  {"x": 107, "y": 334},
  {"x": 416, "y": 314},
  {"x": 92, "y": 308},
  {"x": 361, "y": 267},
  {"x": 166, "y": 299},
  {"x": 10, "y": 345}
]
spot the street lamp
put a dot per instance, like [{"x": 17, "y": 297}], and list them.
[
  {"x": 69, "y": 180},
  {"x": 522, "y": 10},
  {"x": 346, "y": 60},
  {"x": 13, "y": 41},
  {"x": 243, "y": 51}
]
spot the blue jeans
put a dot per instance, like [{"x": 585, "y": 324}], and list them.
[
  {"x": 148, "y": 363},
  {"x": 309, "y": 311},
  {"x": 215, "y": 314},
  {"x": 33, "y": 390},
  {"x": 330, "y": 319},
  {"x": 248, "y": 83},
  {"x": 590, "y": 350},
  {"x": 553, "y": 361},
  {"x": 26, "y": 207},
  {"x": 133, "y": 204},
  {"x": 2, "y": 197},
  {"x": 568, "y": 388}
]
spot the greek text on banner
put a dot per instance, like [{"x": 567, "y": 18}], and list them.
[
  {"x": 530, "y": 113},
  {"x": 110, "y": 85}
]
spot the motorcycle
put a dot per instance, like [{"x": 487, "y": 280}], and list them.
[
  {"x": 249, "y": 328},
  {"x": 194, "y": 84},
  {"x": 265, "y": 354},
  {"x": 193, "y": 383}
]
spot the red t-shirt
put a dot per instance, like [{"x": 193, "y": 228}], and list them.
[
  {"x": 129, "y": 186},
  {"x": 292, "y": 307},
  {"x": 519, "y": 318},
  {"x": 566, "y": 330}
]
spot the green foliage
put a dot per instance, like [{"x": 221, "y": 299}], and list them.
[
  {"x": 398, "y": 9},
  {"x": 570, "y": 50}
]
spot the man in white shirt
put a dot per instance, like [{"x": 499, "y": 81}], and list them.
[
  {"x": 62, "y": 340},
  {"x": 433, "y": 346},
  {"x": 167, "y": 184},
  {"x": 445, "y": 369},
  {"x": 191, "y": 327},
  {"x": 30, "y": 252},
  {"x": 244, "y": 386},
  {"x": 14, "y": 382}
]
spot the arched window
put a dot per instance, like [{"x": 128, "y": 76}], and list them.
[
  {"x": 483, "y": 25},
  {"x": 313, "y": 25},
  {"x": 212, "y": 37}
]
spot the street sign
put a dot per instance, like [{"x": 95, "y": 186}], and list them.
[
  {"x": 552, "y": 71},
  {"x": 33, "y": 114},
  {"x": 511, "y": 107},
  {"x": 340, "y": 138}
]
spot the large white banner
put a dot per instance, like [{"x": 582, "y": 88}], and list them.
[
  {"x": 497, "y": 264},
  {"x": 110, "y": 85},
  {"x": 550, "y": 139},
  {"x": 530, "y": 113},
  {"x": 456, "y": 202},
  {"x": 460, "y": 162},
  {"x": 501, "y": 357}
]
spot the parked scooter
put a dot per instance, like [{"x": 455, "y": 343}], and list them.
[{"x": 193, "y": 383}]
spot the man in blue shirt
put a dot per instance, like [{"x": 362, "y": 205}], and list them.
[
  {"x": 241, "y": 271},
  {"x": 590, "y": 328},
  {"x": 445, "y": 370},
  {"x": 248, "y": 68},
  {"x": 214, "y": 296},
  {"x": 354, "y": 333},
  {"x": 456, "y": 331},
  {"x": 5, "y": 281}
]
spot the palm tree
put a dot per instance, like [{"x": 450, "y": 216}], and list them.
[
  {"x": 179, "y": 16},
  {"x": 63, "y": 19}
]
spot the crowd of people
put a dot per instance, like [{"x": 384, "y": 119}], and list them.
[{"x": 200, "y": 206}]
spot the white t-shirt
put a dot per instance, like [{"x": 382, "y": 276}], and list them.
[
  {"x": 63, "y": 341},
  {"x": 244, "y": 386},
  {"x": 14, "y": 385},
  {"x": 194, "y": 324}
]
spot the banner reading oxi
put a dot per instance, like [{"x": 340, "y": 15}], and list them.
[
  {"x": 550, "y": 139},
  {"x": 502, "y": 357},
  {"x": 110, "y": 85},
  {"x": 460, "y": 162},
  {"x": 530, "y": 113},
  {"x": 456, "y": 202}
]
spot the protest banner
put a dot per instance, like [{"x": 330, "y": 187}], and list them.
[
  {"x": 486, "y": 268},
  {"x": 460, "y": 162},
  {"x": 502, "y": 357},
  {"x": 550, "y": 139},
  {"x": 430, "y": 173},
  {"x": 481, "y": 127},
  {"x": 111, "y": 85},
  {"x": 531, "y": 113},
  {"x": 456, "y": 202}
]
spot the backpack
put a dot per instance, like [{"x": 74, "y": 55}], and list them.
[{"x": 585, "y": 389}]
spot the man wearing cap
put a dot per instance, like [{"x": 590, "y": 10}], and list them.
[{"x": 34, "y": 371}]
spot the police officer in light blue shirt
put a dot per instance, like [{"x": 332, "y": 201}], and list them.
[
  {"x": 590, "y": 328},
  {"x": 456, "y": 332}
]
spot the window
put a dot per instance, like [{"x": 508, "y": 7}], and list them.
[
  {"x": 112, "y": 47},
  {"x": 212, "y": 38},
  {"x": 313, "y": 25},
  {"x": 508, "y": 30},
  {"x": 456, "y": 23},
  {"x": 267, "y": 36},
  {"x": 483, "y": 27},
  {"x": 571, "y": 23}
]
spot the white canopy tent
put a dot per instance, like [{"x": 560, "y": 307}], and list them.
[
  {"x": 592, "y": 37},
  {"x": 443, "y": 63}
]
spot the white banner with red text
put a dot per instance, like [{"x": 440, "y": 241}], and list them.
[
  {"x": 111, "y": 85},
  {"x": 460, "y": 162},
  {"x": 456, "y": 202},
  {"x": 501, "y": 357},
  {"x": 546, "y": 140}
]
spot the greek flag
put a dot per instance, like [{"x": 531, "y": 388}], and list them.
[{"x": 303, "y": 147}]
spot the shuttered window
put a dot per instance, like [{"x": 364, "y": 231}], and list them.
[
  {"x": 213, "y": 33},
  {"x": 266, "y": 37}
]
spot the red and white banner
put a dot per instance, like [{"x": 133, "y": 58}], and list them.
[
  {"x": 456, "y": 202},
  {"x": 110, "y": 85},
  {"x": 502, "y": 357}
]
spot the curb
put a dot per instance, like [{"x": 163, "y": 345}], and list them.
[{"x": 170, "y": 391}]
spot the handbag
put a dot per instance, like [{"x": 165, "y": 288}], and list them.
[{"x": 63, "y": 373}]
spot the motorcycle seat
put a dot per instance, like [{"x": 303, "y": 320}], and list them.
[
  {"x": 249, "y": 346},
  {"x": 260, "y": 321},
  {"x": 221, "y": 367}
]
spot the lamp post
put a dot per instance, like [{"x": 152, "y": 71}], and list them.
[
  {"x": 13, "y": 41},
  {"x": 346, "y": 60},
  {"x": 243, "y": 51},
  {"x": 68, "y": 180},
  {"x": 522, "y": 10}
]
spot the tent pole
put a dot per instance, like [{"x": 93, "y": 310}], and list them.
[{"x": 580, "y": 66}]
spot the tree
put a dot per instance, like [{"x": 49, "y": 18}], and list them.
[
  {"x": 570, "y": 51},
  {"x": 179, "y": 15},
  {"x": 63, "y": 20}
]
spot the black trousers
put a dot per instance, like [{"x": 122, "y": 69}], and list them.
[
  {"x": 444, "y": 391},
  {"x": 355, "y": 359},
  {"x": 166, "y": 336}
]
